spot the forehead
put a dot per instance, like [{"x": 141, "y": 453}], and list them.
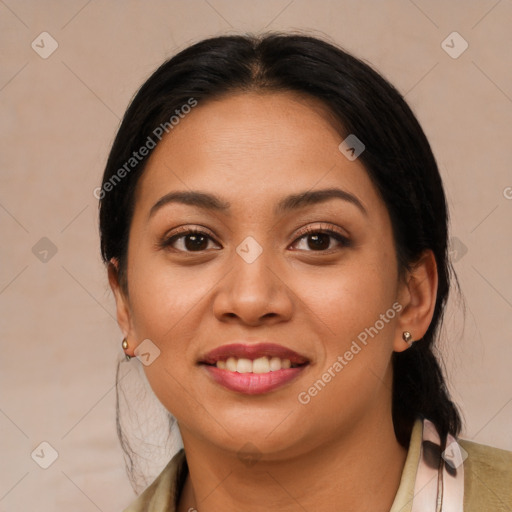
[
  {"x": 253, "y": 146},
  {"x": 242, "y": 124}
]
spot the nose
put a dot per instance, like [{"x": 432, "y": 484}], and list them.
[{"x": 253, "y": 293}]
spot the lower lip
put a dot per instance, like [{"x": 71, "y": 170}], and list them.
[{"x": 253, "y": 383}]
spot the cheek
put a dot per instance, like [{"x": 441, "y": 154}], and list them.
[
  {"x": 351, "y": 297},
  {"x": 167, "y": 306},
  {"x": 162, "y": 297},
  {"x": 356, "y": 318}
]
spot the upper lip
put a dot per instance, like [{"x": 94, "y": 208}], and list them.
[{"x": 252, "y": 351}]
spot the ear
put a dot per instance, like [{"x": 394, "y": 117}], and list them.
[
  {"x": 417, "y": 296},
  {"x": 124, "y": 316}
]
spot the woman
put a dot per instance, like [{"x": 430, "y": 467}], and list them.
[{"x": 275, "y": 230}]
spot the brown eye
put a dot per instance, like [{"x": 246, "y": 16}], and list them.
[
  {"x": 319, "y": 240},
  {"x": 189, "y": 240}
]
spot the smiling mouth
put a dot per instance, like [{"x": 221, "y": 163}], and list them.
[
  {"x": 253, "y": 358},
  {"x": 259, "y": 365},
  {"x": 253, "y": 377}
]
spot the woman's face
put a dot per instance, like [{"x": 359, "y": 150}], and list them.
[{"x": 254, "y": 275}]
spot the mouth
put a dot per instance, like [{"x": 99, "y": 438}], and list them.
[
  {"x": 256, "y": 358},
  {"x": 253, "y": 369}
]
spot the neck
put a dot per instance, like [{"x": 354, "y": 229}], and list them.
[{"x": 358, "y": 471}]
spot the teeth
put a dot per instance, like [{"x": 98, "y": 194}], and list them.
[
  {"x": 275, "y": 364},
  {"x": 259, "y": 365},
  {"x": 231, "y": 364},
  {"x": 244, "y": 366}
]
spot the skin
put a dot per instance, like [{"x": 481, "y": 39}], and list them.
[{"x": 252, "y": 149}]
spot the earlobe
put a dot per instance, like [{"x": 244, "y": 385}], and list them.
[
  {"x": 418, "y": 293},
  {"x": 122, "y": 306}
]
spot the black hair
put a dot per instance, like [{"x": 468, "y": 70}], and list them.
[{"x": 397, "y": 157}]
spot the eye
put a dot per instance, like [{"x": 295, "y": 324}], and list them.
[
  {"x": 319, "y": 239},
  {"x": 190, "y": 240}
]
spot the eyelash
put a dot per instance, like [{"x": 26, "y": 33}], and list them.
[{"x": 183, "y": 232}]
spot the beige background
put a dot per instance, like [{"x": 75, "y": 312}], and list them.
[{"x": 59, "y": 338}]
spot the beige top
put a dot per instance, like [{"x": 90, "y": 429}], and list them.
[{"x": 487, "y": 480}]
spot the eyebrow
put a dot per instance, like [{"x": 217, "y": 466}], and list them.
[{"x": 289, "y": 203}]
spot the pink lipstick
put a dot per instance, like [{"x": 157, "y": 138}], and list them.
[{"x": 253, "y": 368}]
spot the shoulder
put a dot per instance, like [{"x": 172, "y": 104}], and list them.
[
  {"x": 161, "y": 495},
  {"x": 487, "y": 477}
]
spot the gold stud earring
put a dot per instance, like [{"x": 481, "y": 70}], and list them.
[
  {"x": 125, "y": 346},
  {"x": 407, "y": 337}
]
